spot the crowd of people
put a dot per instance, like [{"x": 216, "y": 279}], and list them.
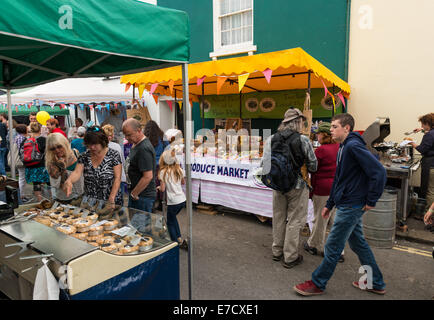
[
  {"x": 346, "y": 181},
  {"x": 89, "y": 162}
]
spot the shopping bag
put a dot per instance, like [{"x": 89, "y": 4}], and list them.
[
  {"x": 307, "y": 112},
  {"x": 46, "y": 286}
]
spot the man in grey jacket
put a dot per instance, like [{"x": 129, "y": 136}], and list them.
[{"x": 290, "y": 209}]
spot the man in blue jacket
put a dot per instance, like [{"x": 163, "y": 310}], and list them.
[{"x": 358, "y": 184}]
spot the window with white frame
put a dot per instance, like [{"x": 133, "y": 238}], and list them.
[{"x": 233, "y": 27}]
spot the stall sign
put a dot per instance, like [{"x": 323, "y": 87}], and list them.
[
  {"x": 225, "y": 171},
  {"x": 264, "y": 105}
]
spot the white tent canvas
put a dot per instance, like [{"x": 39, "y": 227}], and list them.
[
  {"x": 74, "y": 91},
  {"x": 87, "y": 90}
]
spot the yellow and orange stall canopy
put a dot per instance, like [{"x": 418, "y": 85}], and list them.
[{"x": 289, "y": 69}]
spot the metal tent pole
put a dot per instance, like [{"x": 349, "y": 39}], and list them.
[
  {"x": 187, "y": 161},
  {"x": 11, "y": 138}
]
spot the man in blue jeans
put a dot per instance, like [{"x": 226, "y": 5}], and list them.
[
  {"x": 358, "y": 184},
  {"x": 141, "y": 167}
]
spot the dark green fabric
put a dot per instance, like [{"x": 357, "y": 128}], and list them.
[{"x": 47, "y": 40}]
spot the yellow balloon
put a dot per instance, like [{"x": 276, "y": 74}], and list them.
[{"x": 42, "y": 117}]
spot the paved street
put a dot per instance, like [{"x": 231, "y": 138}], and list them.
[{"x": 232, "y": 260}]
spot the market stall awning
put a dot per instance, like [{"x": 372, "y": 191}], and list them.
[
  {"x": 48, "y": 40},
  {"x": 289, "y": 70}
]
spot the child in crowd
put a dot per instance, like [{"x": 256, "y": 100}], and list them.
[{"x": 171, "y": 178}]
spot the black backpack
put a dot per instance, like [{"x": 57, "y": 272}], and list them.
[{"x": 286, "y": 160}]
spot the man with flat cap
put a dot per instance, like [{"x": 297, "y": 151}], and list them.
[{"x": 290, "y": 207}]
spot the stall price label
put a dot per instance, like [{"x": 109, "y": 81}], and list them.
[
  {"x": 85, "y": 213},
  {"x": 159, "y": 223},
  {"x": 122, "y": 231},
  {"x": 99, "y": 223},
  {"x": 135, "y": 240}
]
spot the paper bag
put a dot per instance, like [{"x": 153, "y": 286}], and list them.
[
  {"x": 307, "y": 112},
  {"x": 46, "y": 285}
]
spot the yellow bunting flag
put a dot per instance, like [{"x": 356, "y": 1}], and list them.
[
  {"x": 220, "y": 81},
  {"x": 180, "y": 105},
  {"x": 242, "y": 81},
  {"x": 141, "y": 89},
  {"x": 171, "y": 83},
  {"x": 127, "y": 87}
]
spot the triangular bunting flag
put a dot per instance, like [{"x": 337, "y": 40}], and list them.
[
  {"x": 153, "y": 87},
  {"x": 220, "y": 81},
  {"x": 127, "y": 87},
  {"x": 180, "y": 105},
  {"x": 325, "y": 89},
  {"x": 341, "y": 97},
  {"x": 267, "y": 74},
  {"x": 242, "y": 81},
  {"x": 155, "y": 98},
  {"x": 169, "y": 102},
  {"x": 200, "y": 81},
  {"x": 171, "y": 83},
  {"x": 141, "y": 89}
]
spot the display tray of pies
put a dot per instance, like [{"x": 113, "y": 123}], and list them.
[{"x": 81, "y": 235}]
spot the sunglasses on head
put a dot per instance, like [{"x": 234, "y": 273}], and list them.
[
  {"x": 93, "y": 129},
  {"x": 56, "y": 147}
]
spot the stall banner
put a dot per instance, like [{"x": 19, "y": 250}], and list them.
[
  {"x": 226, "y": 171},
  {"x": 264, "y": 105}
]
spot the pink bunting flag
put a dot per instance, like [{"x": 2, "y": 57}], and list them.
[
  {"x": 325, "y": 89},
  {"x": 169, "y": 102},
  {"x": 153, "y": 87},
  {"x": 200, "y": 81},
  {"x": 267, "y": 74},
  {"x": 341, "y": 97}
]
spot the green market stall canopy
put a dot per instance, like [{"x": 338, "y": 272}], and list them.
[{"x": 48, "y": 40}]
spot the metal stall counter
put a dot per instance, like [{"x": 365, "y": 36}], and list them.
[{"x": 126, "y": 255}]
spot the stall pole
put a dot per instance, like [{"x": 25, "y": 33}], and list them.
[
  {"x": 202, "y": 98},
  {"x": 308, "y": 81},
  {"x": 176, "y": 113},
  {"x": 333, "y": 92},
  {"x": 187, "y": 161},
  {"x": 11, "y": 138}
]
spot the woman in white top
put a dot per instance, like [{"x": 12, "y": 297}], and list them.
[
  {"x": 171, "y": 178},
  {"x": 109, "y": 130}
]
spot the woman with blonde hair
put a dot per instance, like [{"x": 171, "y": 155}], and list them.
[
  {"x": 60, "y": 161},
  {"x": 171, "y": 178}
]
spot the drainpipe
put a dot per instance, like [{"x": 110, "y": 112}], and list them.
[{"x": 347, "y": 47}]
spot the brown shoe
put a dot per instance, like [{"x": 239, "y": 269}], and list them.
[{"x": 376, "y": 291}]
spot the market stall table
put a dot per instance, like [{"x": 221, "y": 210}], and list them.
[{"x": 86, "y": 271}]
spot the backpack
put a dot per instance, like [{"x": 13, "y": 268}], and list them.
[
  {"x": 286, "y": 160},
  {"x": 30, "y": 154}
]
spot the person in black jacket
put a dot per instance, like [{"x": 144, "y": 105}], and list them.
[
  {"x": 426, "y": 149},
  {"x": 3, "y": 143},
  {"x": 358, "y": 184}
]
